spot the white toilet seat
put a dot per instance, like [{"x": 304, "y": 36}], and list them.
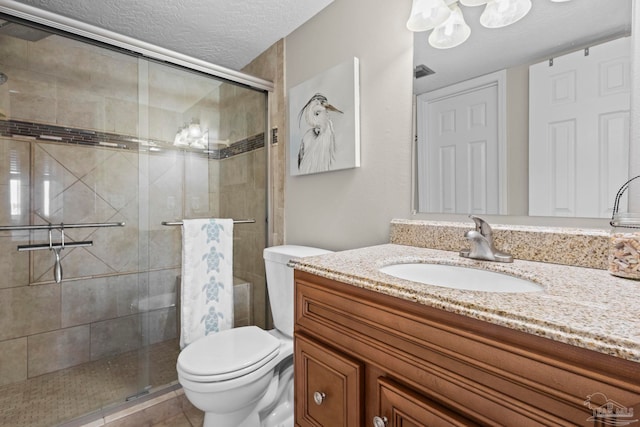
[
  {"x": 197, "y": 384},
  {"x": 228, "y": 354}
]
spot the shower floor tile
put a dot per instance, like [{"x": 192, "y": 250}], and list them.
[{"x": 51, "y": 399}]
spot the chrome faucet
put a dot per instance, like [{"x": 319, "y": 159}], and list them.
[{"x": 481, "y": 242}]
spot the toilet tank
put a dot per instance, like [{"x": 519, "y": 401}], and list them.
[{"x": 280, "y": 281}]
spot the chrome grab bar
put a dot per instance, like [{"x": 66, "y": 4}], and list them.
[{"x": 60, "y": 226}]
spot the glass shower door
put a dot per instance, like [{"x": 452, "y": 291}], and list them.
[{"x": 69, "y": 342}]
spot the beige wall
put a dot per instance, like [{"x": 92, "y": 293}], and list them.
[
  {"x": 352, "y": 208},
  {"x": 518, "y": 140}
]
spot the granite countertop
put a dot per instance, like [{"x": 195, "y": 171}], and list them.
[{"x": 580, "y": 306}]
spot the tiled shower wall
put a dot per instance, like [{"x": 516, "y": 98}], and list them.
[
  {"x": 129, "y": 276},
  {"x": 97, "y": 310}
]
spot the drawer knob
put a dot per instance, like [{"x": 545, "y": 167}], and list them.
[
  {"x": 380, "y": 421},
  {"x": 319, "y": 397}
]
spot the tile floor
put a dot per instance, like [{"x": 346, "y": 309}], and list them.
[{"x": 52, "y": 399}]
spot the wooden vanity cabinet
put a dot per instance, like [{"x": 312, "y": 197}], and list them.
[{"x": 374, "y": 360}]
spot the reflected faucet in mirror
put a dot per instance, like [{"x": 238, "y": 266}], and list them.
[{"x": 481, "y": 243}]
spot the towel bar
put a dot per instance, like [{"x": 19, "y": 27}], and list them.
[
  {"x": 60, "y": 226},
  {"x": 235, "y": 221}
]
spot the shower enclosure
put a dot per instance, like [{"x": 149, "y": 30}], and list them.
[{"x": 93, "y": 135}]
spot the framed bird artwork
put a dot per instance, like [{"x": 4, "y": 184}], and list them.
[{"x": 324, "y": 121}]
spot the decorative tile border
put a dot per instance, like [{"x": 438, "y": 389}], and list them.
[
  {"x": 243, "y": 146},
  {"x": 62, "y": 134},
  {"x": 567, "y": 246}
]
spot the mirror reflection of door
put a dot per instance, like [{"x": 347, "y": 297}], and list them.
[
  {"x": 460, "y": 132},
  {"x": 579, "y": 131}
]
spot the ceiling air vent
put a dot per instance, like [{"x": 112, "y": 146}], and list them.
[{"x": 422, "y": 71}]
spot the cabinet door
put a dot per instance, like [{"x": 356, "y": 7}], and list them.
[
  {"x": 328, "y": 386},
  {"x": 403, "y": 407}
]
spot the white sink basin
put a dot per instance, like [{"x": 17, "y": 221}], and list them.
[{"x": 458, "y": 277}]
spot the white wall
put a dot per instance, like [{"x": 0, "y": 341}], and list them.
[
  {"x": 352, "y": 208},
  {"x": 634, "y": 156}
]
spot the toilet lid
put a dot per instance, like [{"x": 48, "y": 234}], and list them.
[{"x": 229, "y": 353}]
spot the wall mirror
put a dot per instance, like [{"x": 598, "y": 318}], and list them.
[{"x": 550, "y": 30}]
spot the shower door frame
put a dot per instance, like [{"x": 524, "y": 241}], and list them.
[{"x": 88, "y": 31}]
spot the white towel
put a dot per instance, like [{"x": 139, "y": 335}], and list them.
[{"x": 207, "y": 278}]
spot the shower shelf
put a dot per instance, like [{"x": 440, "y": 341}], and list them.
[{"x": 57, "y": 247}]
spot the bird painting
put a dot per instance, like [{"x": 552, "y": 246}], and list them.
[
  {"x": 318, "y": 145},
  {"x": 325, "y": 136}
]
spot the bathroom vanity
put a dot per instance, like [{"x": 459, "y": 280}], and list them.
[{"x": 372, "y": 349}]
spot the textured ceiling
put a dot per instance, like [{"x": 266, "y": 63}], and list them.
[{"x": 230, "y": 33}]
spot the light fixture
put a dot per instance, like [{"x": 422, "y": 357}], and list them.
[
  {"x": 500, "y": 13},
  {"x": 194, "y": 129},
  {"x": 192, "y": 135},
  {"x": 446, "y": 20},
  {"x": 427, "y": 14},
  {"x": 453, "y": 32},
  {"x": 181, "y": 137}
]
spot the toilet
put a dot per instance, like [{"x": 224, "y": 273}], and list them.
[{"x": 243, "y": 377}]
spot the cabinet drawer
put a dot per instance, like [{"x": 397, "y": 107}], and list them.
[
  {"x": 328, "y": 386},
  {"x": 402, "y": 407}
]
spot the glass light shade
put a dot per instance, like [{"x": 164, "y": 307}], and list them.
[
  {"x": 201, "y": 142},
  {"x": 181, "y": 137},
  {"x": 194, "y": 129},
  {"x": 427, "y": 14},
  {"x": 472, "y": 3},
  {"x": 500, "y": 13},
  {"x": 453, "y": 32}
]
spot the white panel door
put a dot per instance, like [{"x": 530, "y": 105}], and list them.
[
  {"x": 579, "y": 131},
  {"x": 458, "y": 146}
]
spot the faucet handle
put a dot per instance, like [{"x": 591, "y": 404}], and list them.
[
  {"x": 482, "y": 226},
  {"x": 482, "y": 243}
]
